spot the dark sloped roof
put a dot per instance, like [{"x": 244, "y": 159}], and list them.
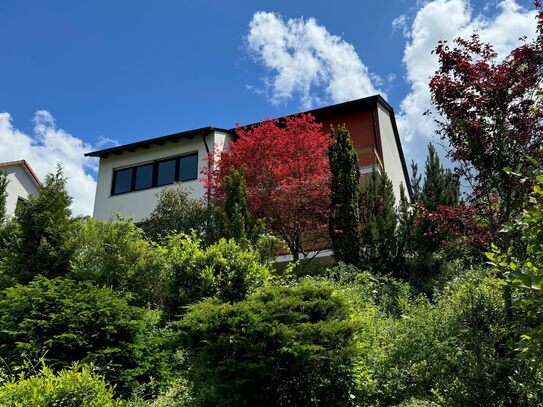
[{"x": 153, "y": 141}]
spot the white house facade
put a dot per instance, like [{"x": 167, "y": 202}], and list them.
[
  {"x": 22, "y": 183},
  {"x": 131, "y": 176}
]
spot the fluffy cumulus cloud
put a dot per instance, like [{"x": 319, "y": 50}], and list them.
[
  {"x": 305, "y": 61},
  {"x": 47, "y": 146},
  {"x": 445, "y": 20}
]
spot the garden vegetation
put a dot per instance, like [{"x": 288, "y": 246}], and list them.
[{"x": 435, "y": 298}]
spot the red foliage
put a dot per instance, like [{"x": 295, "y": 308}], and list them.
[
  {"x": 454, "y": 225},
  {"x": 492, "y": 117},
  {"x": 287, "y": 175}
]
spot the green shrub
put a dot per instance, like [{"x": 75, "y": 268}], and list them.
[
  {"x": 115, "y": 254},
  {"x": 66, "y": 321},
  {"x": 455, "y": 351},
  {"x": 76, "y": 387},
  {"x": 224, "y": 270},
  {"x": 282, "y": 346}
]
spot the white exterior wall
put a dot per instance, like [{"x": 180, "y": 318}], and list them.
[
  {"x": 391, "y": 155},
  {"x": 21, "y": 185},
  {"x": 139, "y": 204}
]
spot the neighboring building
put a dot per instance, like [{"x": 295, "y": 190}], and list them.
[
  {"x": 23, "y": 182},
  {"x": 130, "y": 176}
]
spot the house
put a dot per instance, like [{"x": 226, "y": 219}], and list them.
[
  {"x": 22, "y": 182},
  {"x": 131, "y": 176}
]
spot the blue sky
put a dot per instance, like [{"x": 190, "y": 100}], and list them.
[{"x": 85, "y": 75}]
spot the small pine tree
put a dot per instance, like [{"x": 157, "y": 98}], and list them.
[
  {"x": 379, "y": 224},
  {"x": 235, "y": 218},
  {"x": 235, "y": 207},
  {"x": 345, "y": 197},
  {"x": 415, "y": 182},
  {"x": 45, "y": 225},
  {"x": 403, "y": 231},
  {"x": 3, "y": 195},
  {"x": 441, "y": 186}
]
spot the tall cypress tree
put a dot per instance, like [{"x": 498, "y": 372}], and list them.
[
  {"x": 379, "y": 221},
  {"x": 3, "y": 195},
  {"x": 345, "y": 214},
  {"x": 235, "y": 209}
]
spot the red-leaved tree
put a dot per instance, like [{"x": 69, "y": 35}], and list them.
[
  {"x": 287, "y": 175},
  {"x": 492, "y": 118}
]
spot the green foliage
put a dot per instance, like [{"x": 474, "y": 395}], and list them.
[
  {"x": 236, "y": 211},
  {"x": 423, "y": 259},
  {"x": 282, "y": 346},
  {"x": 233, "y": 220},
  {"x": 176, "y": 212},
  {"x": 345, "y": 197},
  {"x": 453, "y": 352},
  {"x": 45, "y": 227},
  {"x": 524, "y": 271},
  {"x": 115, "y": 254},
  {"x": 379, "y": 224},
  {"x": 4, "y": 181},
  {"x": 65, "y": 321},
  {"x": 177, "y": 394},
  {"x": 224, "y": 270},
  {"x": 76, "y": 387},
  {"x": 441, "y": 186}
]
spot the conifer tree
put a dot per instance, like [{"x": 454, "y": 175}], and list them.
[
  {"x": 379, "y": 224},
  {"x": 235, "y": 209},
  {"x": 441, "y": 187},
  {"x": 3, "y": 195},
  {"x": 45, "y": 225},
  {"x": 345, "y": 197}
]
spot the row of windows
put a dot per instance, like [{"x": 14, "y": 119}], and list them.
[{"x": 156, "y": 174}]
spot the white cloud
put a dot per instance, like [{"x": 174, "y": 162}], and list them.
[
  {"x": 446, "y": 20},
  {"x": 45, "y": 148},
  {"x": 306, "y": 61}
]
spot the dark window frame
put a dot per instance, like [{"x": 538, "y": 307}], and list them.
[{"x": 154, "y": 176}]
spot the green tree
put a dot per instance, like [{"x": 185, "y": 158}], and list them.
[
  {"x": 45, "y": 227},
  {"x": 282, "y": 346},
  {"x": 441, "y": 186},
  {"x": 4, "y": 181},
  {"x": 345, "y": 197},
  {"x": 379, "y": 224},
  {"x": 65, "y": 321},
  {"x": 176, "y": 211},
  {"x": 74, "y": 387}
]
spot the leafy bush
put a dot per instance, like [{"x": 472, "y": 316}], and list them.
[
  {"x": 282, "y": 346},
  {"x": 66, "y": 321},
  {"x": 115, "y": 254},
  {"x": 455, "y": 351},
  {"x": 223, "y": 269},
  {"x": 76, "y": 387}
]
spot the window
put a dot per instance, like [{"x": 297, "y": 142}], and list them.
[
  {"x": 144, "y": 177},
  {"x": 188, "y": 167},
  {"x": 122, "y": 181},
  {"x": 166, "y": 172},
  {"x": 158, "y": 173}
]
